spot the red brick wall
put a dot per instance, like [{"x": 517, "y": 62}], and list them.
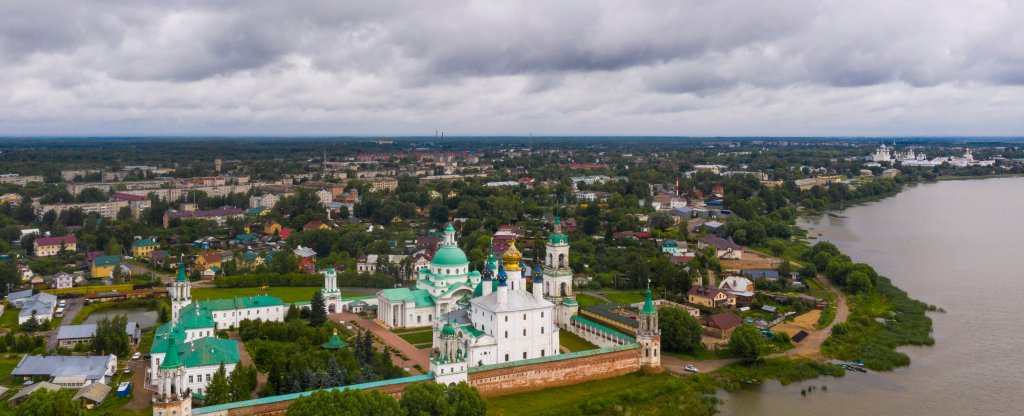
[
  {"x": 279, "y": 408},
  {"x": 524, "y": 378}
]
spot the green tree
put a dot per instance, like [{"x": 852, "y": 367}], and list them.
[
  {"x": 317, "y": 309},
  {"x": 432, "y": 399},
  {"x": 43, "y": 402},
  {"x": 218, "y": 391},
  {"x": 680, "y": 332},
  {"x": 345, "y": 403},
  {"x": 111, "y": 338},
  {"x": 747, "y": 343}
]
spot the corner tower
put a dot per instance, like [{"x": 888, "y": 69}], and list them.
[
  {"x": 172, "y": 397},
  {"x": 649, "y": 335}
]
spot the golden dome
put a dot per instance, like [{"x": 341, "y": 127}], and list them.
[{"x": 512, "y": 257}]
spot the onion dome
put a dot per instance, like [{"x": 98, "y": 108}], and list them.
[{"x": 512, "y": 257}]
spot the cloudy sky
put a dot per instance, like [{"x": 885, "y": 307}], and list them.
[{"x": 354, "y": 67}]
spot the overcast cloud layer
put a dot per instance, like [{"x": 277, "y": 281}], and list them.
[{"x": 676, "y": 67}]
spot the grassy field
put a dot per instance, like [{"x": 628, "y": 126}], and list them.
[
  {"x": 285, "y": 293},
  {"x": 573, "y": 342},
  {"x": 7, "y": 365},
  {"x": 9, "y": 319},
  {"x": 628, "y": 395},
  {"x": 418, "y": 337},
  {"x": 624, "y": 298},
  {"x": 587, "y": 300}
]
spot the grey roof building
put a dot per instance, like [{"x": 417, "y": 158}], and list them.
[
  {"x": 70, "y": 335},
  {"x": 67, "y": 371}
]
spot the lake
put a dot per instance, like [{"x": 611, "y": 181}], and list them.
[
  {"x": 145, "y": 318},
  {"x": 958, "y": 245}
]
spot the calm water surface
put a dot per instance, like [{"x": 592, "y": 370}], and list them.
[{"x": 958, "y": 245}]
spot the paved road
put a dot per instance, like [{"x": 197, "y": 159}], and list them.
[
  {"x": 810, "y": 347},
  {"x": 71, "y": 309},
  {"x": 416, "y": 356}
]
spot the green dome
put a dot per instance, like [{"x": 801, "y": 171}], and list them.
[
  {"x": 558, "y": 239},
  {"x": 448, "y": 331},
  {"x": 449, "y": 256}
]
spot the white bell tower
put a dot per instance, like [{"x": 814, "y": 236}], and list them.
[{"x": 181, "y": 292}]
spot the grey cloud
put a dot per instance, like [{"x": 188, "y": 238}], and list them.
[{"x": 672, "y": 67}]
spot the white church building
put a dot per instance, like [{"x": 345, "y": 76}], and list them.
[
  {"x": 187, "y": 348},
  {"x": 439, "y": 287}
]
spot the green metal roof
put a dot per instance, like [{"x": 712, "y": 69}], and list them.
[
  {"x": 245, "y": 237},
  {"x": 600, "y": 327},
  {"x": 193, "y": 316},
  {"x": 171, "y": 359},
  {"x": 648, "y": 308},
  {"x": 209, "y": 351},
  {"x": 403, "y": 294},
  {"x": 479, "y": 291},
  {"x": 471, "y": 330},
  {"x": 450, "y": 256},
  {"x": 670, "y": 243},
  {"x": 334, "y": 343},
  {"x": 569, "y": 302},
  {"x": 106, "y": 260},
  {"x": 448, "y": 331},
  {"x": 181, "y": 272},
  {"x": 145, "y": 242},
  {"x": 449, "y": 228},
  {"x": 240, "y": 303}
]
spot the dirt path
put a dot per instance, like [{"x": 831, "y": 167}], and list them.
[
  {"x": 142, "y": 396},
  {"x": 810, "y": 347},
  {"x": 246, "y": 360},
  {"x": 416, "y": 356}
]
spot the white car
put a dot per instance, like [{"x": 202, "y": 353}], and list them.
[
  {"x": 137, "y": 355},
  {"x": 691, "y": 369}
]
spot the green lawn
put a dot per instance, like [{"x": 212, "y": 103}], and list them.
[
  {"x": 633, "y": 394},
  {"x": 286, "y": 293},
  {"x": 10, "y": 319},
  {"x": 573, "y": 342},
  {"x": 7, "y": 365},
  {"x": 586, "y": 300},
  {"x": 418, "y": 337},
  {"x": 624, "y": 298}
]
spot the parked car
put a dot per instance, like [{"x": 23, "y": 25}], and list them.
[
  {"x": 137, "y": 355},
  {"x": 127, "y": 370},
  {"x": 691, "y": 369}
]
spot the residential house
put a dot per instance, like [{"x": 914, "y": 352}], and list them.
[
  {"x": 307, "y": 259},
  {"x": 39, "y": 305},
  {"x": 381, "y": 183},
  {"x": 721, "y": 325},
  {"x": 158, "y": 258},
  {"x": 249, "y": 261},
  {"x": 710, "y": 297},
  {"x": 670, "y": 246},
  {"x": 724, "y": 249},
  {"x": 103, "y": 266},
  {"x": 208, "y": 260},
  {"x": 62, "y": 280},
  {"x": 52, "y": 246},
  {"x": 315, "y": 225},
  {"x": 142, "y": 247},
  {"x": 739, "y": 287},
  {"x": 272, "y": 228}
]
